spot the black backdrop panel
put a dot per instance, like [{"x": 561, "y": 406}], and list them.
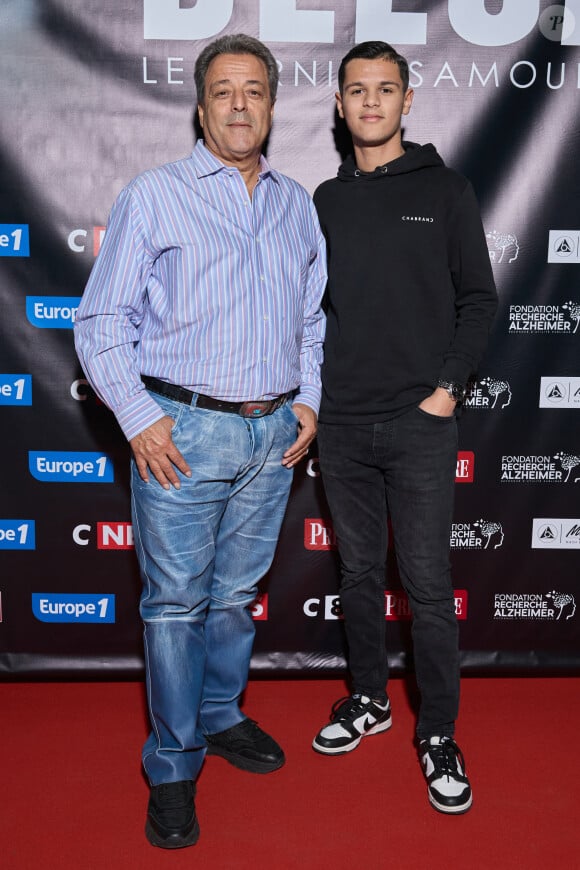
[{"x": 95, "y": 92}]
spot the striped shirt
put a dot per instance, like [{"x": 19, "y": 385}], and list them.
[{"x": 200, "y": 285}]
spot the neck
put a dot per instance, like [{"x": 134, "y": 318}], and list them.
[
  {"x": 369, "y": 157},
  {"x": 248, "y": 166},
  {"x": 250, "y": 175}
]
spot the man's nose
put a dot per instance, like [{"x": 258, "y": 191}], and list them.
[
  {"x": 371, "y": 98},
  {"x": 239, "y": 101}
]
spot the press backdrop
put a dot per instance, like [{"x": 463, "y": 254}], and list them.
[{"x": 95, "y": 91}]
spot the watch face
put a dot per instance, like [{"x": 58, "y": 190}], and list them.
[{"x": 455, "y": 391}]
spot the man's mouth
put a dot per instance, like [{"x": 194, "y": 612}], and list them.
[{"x": 240, "y": 122}]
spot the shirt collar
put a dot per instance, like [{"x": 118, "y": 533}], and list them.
[{"x": 206, "y": 163}]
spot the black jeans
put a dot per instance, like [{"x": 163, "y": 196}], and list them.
[{"x": 405, "y": 469}]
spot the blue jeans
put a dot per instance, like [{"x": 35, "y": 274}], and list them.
[
  {"x": 202, "y": 550},
  {"x": 403, "y": 468}
]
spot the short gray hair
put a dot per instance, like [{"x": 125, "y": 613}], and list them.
[{"x": 237, "y": 43}]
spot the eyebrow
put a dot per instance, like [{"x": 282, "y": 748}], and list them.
[
  {"x": 363, "y": 84},
  {"x": 229, "y": 81}
]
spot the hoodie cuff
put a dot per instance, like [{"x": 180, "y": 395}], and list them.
[{"x": 456, "y": 371}]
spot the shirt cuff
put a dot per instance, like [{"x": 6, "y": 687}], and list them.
[
  {"x": 138, "y": 414},
  {"x": 309, "y": 395}
]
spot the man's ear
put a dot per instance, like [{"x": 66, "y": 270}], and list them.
[
  {"x": 408, "y": 101},
  {"x": 338, "y": 98},
  {"x": 200, "y": 115}
]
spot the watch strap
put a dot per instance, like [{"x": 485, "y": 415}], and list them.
[{"x": 454, "y": 390}]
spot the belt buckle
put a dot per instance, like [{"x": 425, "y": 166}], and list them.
[{"x": 254, "y": 409}]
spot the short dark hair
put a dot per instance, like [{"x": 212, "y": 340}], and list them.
[
  {"x": 237, "y": 43},
  {"x": 375, "y": 51}
]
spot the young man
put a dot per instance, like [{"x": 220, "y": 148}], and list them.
[
  {"x": 201, "y": 329},
  {"x": 410, "y": 301}
]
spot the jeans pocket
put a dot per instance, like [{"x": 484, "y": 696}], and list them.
[
  {"x": 435, "y": 417},
  {"x": 170, "y": 408}
]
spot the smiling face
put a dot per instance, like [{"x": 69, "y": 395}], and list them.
[
  {"x": 236, "y": 115},
  {"x": 372, "y": 103}
]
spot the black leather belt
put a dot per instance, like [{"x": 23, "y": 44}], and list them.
[{"x": 244, "y": 409}]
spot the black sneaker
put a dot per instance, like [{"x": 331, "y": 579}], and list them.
[
  {"x": 171, "y": 820},
  {"x": 247, "y": 747},
  {"x": 351, "y": 719},
  {"x": 447, "y": 785}
]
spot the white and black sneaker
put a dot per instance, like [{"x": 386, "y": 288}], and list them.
[
  {"x": 352, "y": 719},
  {"x": 447, "y": 785}
]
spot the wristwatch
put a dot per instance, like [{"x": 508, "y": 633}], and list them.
[{"x": 454, "y": 391}]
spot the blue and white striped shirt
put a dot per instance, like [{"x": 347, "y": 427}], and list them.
[{"x": 200, "y": 285}]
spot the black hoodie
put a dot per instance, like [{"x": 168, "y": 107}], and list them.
[{"x": 411, "y": 294}]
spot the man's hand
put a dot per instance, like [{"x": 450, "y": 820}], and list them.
[
  {"x": 154, "y": 450},
  {"x": 439, "y": 403},
  {"x": 307, "y": 428}
]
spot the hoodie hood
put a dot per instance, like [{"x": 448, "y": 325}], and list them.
[{"x": 415, "y": 157}]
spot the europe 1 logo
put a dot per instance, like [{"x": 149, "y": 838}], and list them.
[
  {"x": 14, "y": 240},
  {"x": 70, "y": 607}
]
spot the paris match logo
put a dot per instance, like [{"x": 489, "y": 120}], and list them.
[
  {"x": 319, "y": 534},
  {"x": 465, "y": 467}
]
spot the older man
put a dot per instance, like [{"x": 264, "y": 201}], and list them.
[{"x": 201, "y": 328}]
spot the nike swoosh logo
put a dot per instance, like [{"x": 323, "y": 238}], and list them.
[{"x": 367, "y": 723}]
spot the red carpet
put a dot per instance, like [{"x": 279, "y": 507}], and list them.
[{"x": 73, "y": 796}]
